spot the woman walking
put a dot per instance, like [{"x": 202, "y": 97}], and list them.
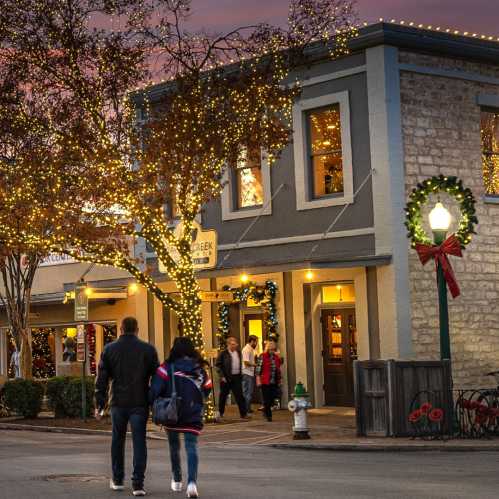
[
  {"x": 268, "y": 376},
  {"x": 192, "y": 385}
]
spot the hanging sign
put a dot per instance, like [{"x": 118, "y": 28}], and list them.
[
  {"x": 214, "y": 296},
  {"x": 81, "y": 302},
  {"x": 81, "y": 350},
  {"x": 203, "y": 248}
]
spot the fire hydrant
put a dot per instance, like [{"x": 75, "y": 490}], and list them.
[{"x": 299, "y": 406}]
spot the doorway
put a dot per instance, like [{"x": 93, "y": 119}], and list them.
[
  {"x": 253, "y": 324},
  {"x": 339, "y": 343}
]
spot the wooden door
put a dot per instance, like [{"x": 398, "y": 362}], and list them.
[{"x": 339, "y": 341}]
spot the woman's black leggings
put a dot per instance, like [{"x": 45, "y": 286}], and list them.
[{"x": 269, "y": 394}]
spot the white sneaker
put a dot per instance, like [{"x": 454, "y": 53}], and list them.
[
  {"x": 138, "y": 491},
  {"x": 116, "y": 486},
  {"x": 176, "y": 486},
  {"x": 192, "y": 490}
]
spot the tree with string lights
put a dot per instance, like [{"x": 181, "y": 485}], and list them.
[
  {"x": 37, "y": 166},
  {"x": 223, "y": 100}
]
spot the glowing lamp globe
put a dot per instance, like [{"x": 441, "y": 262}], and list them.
[{"x": 440, "y": 218}]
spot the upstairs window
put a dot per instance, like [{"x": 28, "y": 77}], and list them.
[
  {"x": 248, "y": 181},
  {"x": 490, "y": 150},
  {"x": 325, "y": 151}
]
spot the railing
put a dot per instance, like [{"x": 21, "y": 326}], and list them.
[{"x": 475, "y": 415}]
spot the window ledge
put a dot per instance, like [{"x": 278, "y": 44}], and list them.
[
  {"x": 324, "y": 202},
  {"x": 247, "y": 213},
  {"x": 491, "y": 199}
]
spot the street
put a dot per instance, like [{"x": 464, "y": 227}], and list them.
[{"x": 50, "y": 465}]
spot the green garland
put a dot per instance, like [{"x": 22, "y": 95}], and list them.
[
  {"x": 264, "y": 295},
  {"x": 419, "y": 196}
]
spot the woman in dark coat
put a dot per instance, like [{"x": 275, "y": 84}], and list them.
[{"x": 193, "y": 385}]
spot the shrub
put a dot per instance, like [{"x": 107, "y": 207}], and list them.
[
  {"x": 55, "y": 394},
  {"x": 23, "y": 397},
  {"x": 71, "y": 396},
  {"x": 4, "y": 412}
]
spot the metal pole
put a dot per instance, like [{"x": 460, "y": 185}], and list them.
[
  {"x": 83, "y": 382},
  {"x": 443, "y": 308}
]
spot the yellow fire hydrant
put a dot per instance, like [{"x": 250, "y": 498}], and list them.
[{"x": 298, "y": 406}]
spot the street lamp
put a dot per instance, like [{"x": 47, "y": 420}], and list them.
[{"x": 440, "y": 220}]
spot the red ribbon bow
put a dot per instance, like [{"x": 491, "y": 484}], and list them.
[{"x": 451, "y": 246}]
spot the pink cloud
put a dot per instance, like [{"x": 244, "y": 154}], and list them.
[{"x": 478, "y": 15}]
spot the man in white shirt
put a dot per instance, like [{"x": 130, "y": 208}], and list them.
[
  {"x": 229, "y": 369},
  {"x": 248, "y": 370}
]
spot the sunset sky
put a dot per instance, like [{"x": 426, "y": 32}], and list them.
[{"x": 481, "y": 16}]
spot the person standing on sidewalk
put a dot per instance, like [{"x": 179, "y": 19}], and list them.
[
  {"x": 185, "y": 368},
  {"x": 229, "y": 367},
  {"x": 248, "y": 370},
  {"x": 128, "y": 363},
  {"x": 268, "y": 376}
]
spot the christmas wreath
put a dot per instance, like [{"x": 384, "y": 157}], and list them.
[
  {"x": 419, "y": 197},
  {"x": 455, "y": 243}
]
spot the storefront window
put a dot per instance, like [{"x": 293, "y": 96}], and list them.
[
  {"x": 248, "y": 180},
  {"x": 43, "y": 350},
  {"x": 69, "y": 345},
  {"x": 326, "y": 160},
  {"x": 340, "y": 292},
  {"x": 490, "y": 151}
]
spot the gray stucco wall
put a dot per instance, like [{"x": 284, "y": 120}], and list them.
[{"x": 285, "y": 221}]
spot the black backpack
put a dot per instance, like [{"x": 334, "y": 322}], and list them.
[{"x": 165, "y": 410}]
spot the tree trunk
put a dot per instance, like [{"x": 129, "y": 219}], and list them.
[
  {"x": 25, "y": 357},
  {"x": 191, "y": 318}
]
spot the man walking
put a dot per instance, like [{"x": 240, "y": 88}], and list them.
[
  {"x": 248, "y": 370},
  {"x": 129, "y": 364},
  {"x": 229, "y": 365}
]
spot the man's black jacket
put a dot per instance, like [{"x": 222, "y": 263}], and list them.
[
  {"x": 224, "y": 364},
  {"x": 129, "y": 364}
]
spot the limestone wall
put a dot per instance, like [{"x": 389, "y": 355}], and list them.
[{"x": 441, "y": 134}]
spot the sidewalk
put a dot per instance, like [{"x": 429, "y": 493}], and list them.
[{"x": 332, "y": 429}]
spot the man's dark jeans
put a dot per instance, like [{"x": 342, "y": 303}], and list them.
[{"x": 120, "y": 416}]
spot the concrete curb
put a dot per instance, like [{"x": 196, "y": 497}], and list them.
[
  {"x": 62, "y": 429},
  {"x": 333, "y": 447},
  {"x": 416, "y": 447}
]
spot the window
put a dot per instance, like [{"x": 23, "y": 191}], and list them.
[
  {"x": 338, "y": 293},
  {"x": 323, "y": 151},
  {"x": 324, "y": 146},
  {"x": 490, "y": 151},
  {"x": 248, "y": 185}
]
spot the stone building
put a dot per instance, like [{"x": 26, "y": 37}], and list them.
[{"x": 326, "y": 223}]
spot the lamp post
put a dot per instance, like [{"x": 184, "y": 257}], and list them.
[{"x": 440, "y": 220}]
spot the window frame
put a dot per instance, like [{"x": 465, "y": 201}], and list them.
[
  {"x": 230, "y": 210},
  {"x": 303, "y": 167}
]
